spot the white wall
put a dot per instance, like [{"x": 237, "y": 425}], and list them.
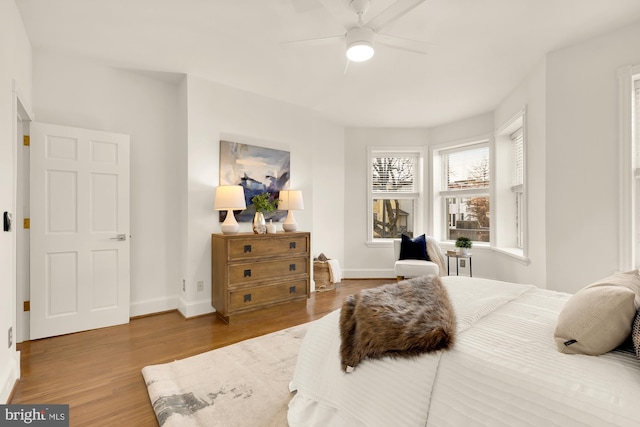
[
  {"x": 218, "y": 112},
  {"x": 329, "y": 168},
  {"x": 15, "y": 57},
  {"x": 529, "y": 94},
  {"x": 469, "y": 128},
  {"x": 582, "y": 158},
  {"x": 82, "y": 93}
]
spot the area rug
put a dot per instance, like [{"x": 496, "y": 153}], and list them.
[{"x": 244, "y": 384}]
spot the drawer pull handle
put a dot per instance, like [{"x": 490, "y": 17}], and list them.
[
  {"x": 292, "y": 245},
  {"x": 247, "y": 298},
  {"x": 292, "y": 267},
  {"x": 292, "y": 289},
  {"x": 247, "y": 273},
  {"x": 247, "y": 249}
]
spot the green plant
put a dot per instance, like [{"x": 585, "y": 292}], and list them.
[
  {"x": 464, "y": 242},
  {"x": 263, "y": 203}
]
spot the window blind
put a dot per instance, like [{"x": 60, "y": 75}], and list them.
[
  {"x": 636, "y": 124},
  {"x": 467, "y": 168},
  {"x": 518, "y": 157},
  {"x": 394, "y": 173}
]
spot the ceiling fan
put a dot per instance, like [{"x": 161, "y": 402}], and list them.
[{"x": 360, "y": 37}]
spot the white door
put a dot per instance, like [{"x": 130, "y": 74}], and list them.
[{"x": 79, "y": 201}]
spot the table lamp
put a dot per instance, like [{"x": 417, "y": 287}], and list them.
[
  {"x": 290, "y": 200},
  {"x": 229, "y": 198}
]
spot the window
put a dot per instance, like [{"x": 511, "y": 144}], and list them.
[
  {"x": 635, "y": 131},
  {"x": 464, "y": 192},
  {"x": 629, "y": 162},
  {"x": 517, "y": 140},
  {"x": 394, "y": 192},
  {"x": 510, "y": 187}
]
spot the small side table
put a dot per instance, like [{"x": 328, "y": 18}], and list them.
[{"x": 457, "y": 258}]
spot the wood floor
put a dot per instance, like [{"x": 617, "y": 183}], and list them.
[{"x": 98, "y": 373}]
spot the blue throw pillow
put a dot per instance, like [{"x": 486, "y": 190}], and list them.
[{"x": 414, "y": 248}]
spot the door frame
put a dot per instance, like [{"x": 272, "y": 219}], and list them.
[{"x": 22, "y": 118}]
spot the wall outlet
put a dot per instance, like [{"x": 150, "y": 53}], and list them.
[
  {"x": 200, "y": 286},
  {"x": 10, "y": 336},
  {"x": 184, "y": 285},
  {"x": 463, "y": 263}
]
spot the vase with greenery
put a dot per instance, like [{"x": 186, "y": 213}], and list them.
[
  {"x": 262, "y": 203},
  {"x": 464, "y": 244}
]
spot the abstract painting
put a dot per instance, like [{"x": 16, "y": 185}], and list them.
[{"x": 259, "y": 170}]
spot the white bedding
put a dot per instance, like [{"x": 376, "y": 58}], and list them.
[{"x": 504, "y": 370}]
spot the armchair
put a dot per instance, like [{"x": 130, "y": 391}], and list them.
[{"x": 416, "y": 267}]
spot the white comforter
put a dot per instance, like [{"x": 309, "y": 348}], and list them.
[{"x": 504, "y": 370}]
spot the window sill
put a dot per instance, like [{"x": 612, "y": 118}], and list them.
[
  {"x": 515, "y": 253},
  {"x": 381, "y": 243}
]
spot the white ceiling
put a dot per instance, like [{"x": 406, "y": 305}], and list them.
[{"x": 478, "y": 50}]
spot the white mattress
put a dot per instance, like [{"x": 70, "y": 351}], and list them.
[{"x": 504, "y": 370}]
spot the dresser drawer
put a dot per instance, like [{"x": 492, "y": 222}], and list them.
[
  {"x": 249, "y": 248},
  {"x": 242, "y": 273},
  {"x": 260, "y": 295}
]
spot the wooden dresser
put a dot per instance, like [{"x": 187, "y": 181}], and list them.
[{"x": 254, "y": 275}]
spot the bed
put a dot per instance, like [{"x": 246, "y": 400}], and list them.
[{"x": 503, "y": 370}]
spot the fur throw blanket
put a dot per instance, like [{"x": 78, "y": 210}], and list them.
[{"x": 402, "y": 319}]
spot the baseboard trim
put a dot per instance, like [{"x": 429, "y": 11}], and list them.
[
  {"x": 381, "y": 273},
  {"x": 10, "y": 378},
  {"x": 151, "y": 306},
  {"x": 194, "y": 308}
]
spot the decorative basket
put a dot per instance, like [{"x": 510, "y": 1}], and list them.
[{"x": 322, "y": 276}]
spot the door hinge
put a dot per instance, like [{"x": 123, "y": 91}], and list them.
[
  {"x": 27, "y": 223},
  {"x": 26, "y": 141},
  {"x": 26, "y": 306}
]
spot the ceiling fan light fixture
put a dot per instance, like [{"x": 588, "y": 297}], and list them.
[
  {"x": 359, "y": 44},
  {"x": 360, "y": 51}
]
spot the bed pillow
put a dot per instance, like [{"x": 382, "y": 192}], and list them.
[
  {"x": 402, "y": 319},
  {"x": 598, "y": 318},
  {"x": 635, "y": 334},
  {"x": 414, "y": 248}
]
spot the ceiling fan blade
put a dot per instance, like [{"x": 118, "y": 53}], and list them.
[
  {"x": 393, "y": 12},
  {"x": 407, "y": 45},
  {"x": 318, "y": 41}
]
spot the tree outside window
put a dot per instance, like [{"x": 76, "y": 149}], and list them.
[
  {"x": 394, "y": 191},
  {"x": 466, "y": 192}
]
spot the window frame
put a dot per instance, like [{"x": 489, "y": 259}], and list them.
[
  {"x": 440, "y": 193},
  {"x": 518, "y": 185},
  {"x": 417, "y": 196},
  {"x": 511, "y": 235},
  {"x": 629, "y": 172}
]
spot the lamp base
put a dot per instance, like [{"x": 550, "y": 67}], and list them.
[
  {"x": 289, "y": 227},
  {"x": 290, "y": 223},
  {"x": 230, "y": 225}
]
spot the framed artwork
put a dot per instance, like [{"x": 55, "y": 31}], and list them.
[{"x": 258, "y": 170}]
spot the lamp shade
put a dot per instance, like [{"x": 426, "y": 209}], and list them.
[
  {"x": 229, "y": 197},
  {"x": 291, "y": 200}
]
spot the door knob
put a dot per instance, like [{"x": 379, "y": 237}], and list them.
[{"x": 119, "y": 237}]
